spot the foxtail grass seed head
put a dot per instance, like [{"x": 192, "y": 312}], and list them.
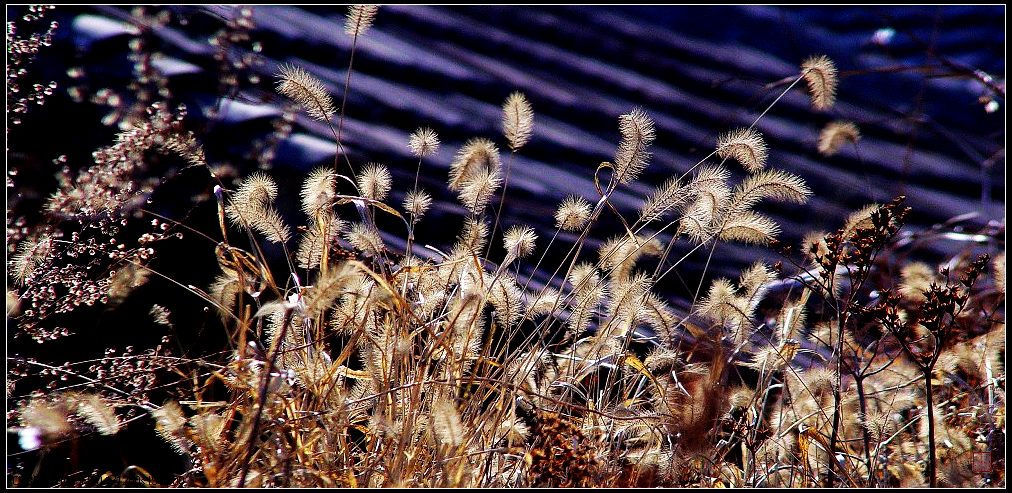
[
  {"x": 306, "y": 90},
  {"x": 519, "y": 241},
  {"x": 917, "y": 278},
  {"x": 749, "y": 227},
  {"x": 50, "y": 418},
  {"x": 359, "y": 19},
  {"x": 98, "y": 413},
  {"x": 835, "y": 134},
  {"x": 773, "y": 184},
  {"x": 664, "y": 198},
  {"x": 13, "y": 303},
  {"x": 31, "y": 254},
  {"x": 364, "y": 238},
  {"x": 477, "y": 154},
  {"x": 998, "y": 266},
  {"x": 374, "y": 181},
  {"x": 476, "y": 193},
  {"x": 423, "y": 142},
  {"x": 318, "y": 191},
  {"x": 820, "y": 74},
  {"x": 251, "y": 208},
  {"x": 417, "y": 202},
  {"x": 517, "y": 120},
  {"x": 572, "y": 214},
  {"x": 744, "y": 145},
  {"x": 632, "y": 155}
]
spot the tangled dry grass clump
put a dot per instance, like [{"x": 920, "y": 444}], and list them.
[{"x": 351, "y": 363}]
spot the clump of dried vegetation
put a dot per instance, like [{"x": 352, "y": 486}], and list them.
[{"x": 351, "y": 363}]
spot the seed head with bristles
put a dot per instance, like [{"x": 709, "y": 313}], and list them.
[
  {"x": 820, "y": 74},
  {"x": 749, "y": 227},
  {"x": 423, "y": 142},
  {"x": 364, "y": 238},
  {"x": 98, "y": 413},
  {"x": 632, "y": 156},
  {"x": 519, "y": 241},
  {"x": 517, "y": 120},
  {"x": 998, "y": 266},
  {"x": 573, "y": 213},
  {"x": 359, "y": 19},
  {"x": 746, "y": 146},
  {"x": 834, "y": 134},
  {"x": 313, "y": 241},
  {"x": 770, "y": 184},
  {"x": 251, "y": 207},
  {"x": 308, "y": 91},
  {"x": 374, "y": 181},
  {"x": 476, "y": 193},
  {"x": 31, "y": 254},
  {"x": 473, "y": 235},
  {"x": 318, "y": 190},
  {"x": 477, "y": 154},
  {"x": 417, "y": 202},
  {"x": 664, "y": 198}
]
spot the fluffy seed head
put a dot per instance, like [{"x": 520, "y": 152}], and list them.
[
  {"x": 364, "y": 238},
  {"x": 474, "y": 233},
  {"x": 476, "y": 155},
  {"x": 519, "y": 241},
  {"x": 98, "y": 413},
  {"x": 821, "y": 75},
  {"x": 998, "y": 266},
  {"x": 416, "y": 203},
  {"x": 360, "y": 19},
  {"x": 769, "y": 184},
  {"x": 749, "y": 227},
  {"x": 517, "y": 120},
  {"x": 583, "y": 276},
  {"x": 311, "y": 245},
  {"x": 308, "y": 91},
  {"x": 476, "y": 193},
  {"x": 423, "y": 142},
  {"x": 31, "y": 254},
  {"x": 664, "y": 198},
  {"x": 572, "y": 214},
  {"x": 251, "y": 208},
  {"x": 446, "y": 424},
  {"x": 374, "y": 181},
  {"x": 744, "y": 145},
  {"x": 318, "y": 190},
  {"x": 833, "y": 136},
  {"x": 632, "y": 156}
]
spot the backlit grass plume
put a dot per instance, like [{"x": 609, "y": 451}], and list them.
[
  {"x": 306, "y": 90},
  {"x": 820, "y": 74},
  {"x": 360, "y": 19},
  {"x": 633, "y": 154}
]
